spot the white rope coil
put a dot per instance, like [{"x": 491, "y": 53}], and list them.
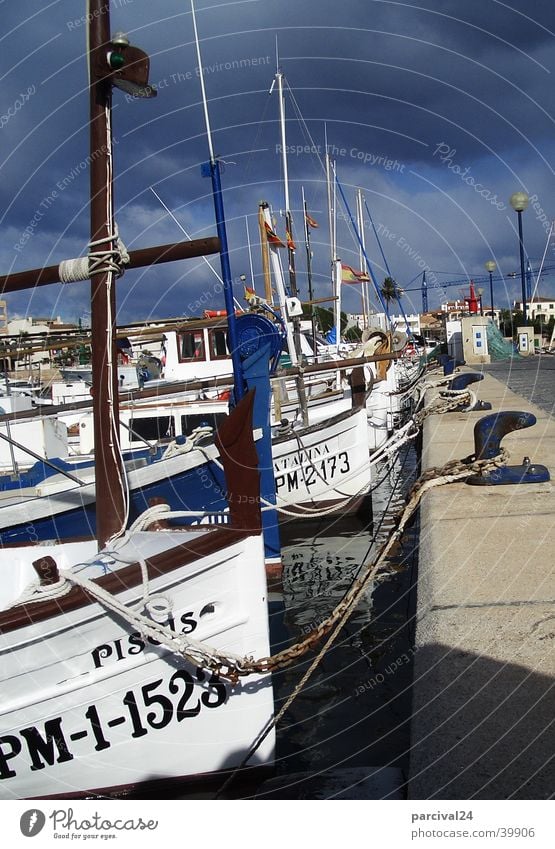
[{"x": 111, "y": 259}]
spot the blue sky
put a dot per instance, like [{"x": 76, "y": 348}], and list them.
[{"x": 439, "y": 111}]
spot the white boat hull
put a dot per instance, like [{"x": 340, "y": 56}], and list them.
[
  {"x": 324, "y": 464},
  {"x": 90, "y": 705}
]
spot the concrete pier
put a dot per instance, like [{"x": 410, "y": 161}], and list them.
[{"x": 484, "y": 663}]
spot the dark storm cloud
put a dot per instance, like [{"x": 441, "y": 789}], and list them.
[{"x": 438, "y": 110}]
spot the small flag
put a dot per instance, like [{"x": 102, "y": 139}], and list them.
[
  {"x": 272, "y": 237},
  {"x": 350, "y": 275},
  {"x": 310, "y": 221},
  {"x": 290, "y": 243}
]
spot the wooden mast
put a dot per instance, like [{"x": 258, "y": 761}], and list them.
[
  {"x": 265, "y": 257},
  {"x": 111, "y": 508},
  {"x": 133, "y": 78}
]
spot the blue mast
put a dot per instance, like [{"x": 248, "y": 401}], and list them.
[{"x": 212, "y": 169}]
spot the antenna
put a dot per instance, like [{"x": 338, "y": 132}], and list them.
[
  {"x": 202, "y": 87},
  {"x": 183, "y": 230}
]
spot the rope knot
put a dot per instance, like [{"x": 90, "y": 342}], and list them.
[{"x": 111, "y": 258}]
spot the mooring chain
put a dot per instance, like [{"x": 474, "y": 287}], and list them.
[
  {"x": 452, "y": 471},
  {"x": 447, "y": 401},
  {"x": 233, "y": 667}
]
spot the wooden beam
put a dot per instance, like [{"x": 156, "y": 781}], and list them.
[{"x": 137, "y": 259}]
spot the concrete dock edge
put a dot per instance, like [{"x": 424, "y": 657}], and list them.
[{"x": 484, "y": 662}]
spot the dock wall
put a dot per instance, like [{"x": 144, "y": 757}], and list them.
[{"x": 484, "y": 661}]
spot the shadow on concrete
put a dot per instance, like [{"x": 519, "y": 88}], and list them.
[{"x": 481, "y": 729}]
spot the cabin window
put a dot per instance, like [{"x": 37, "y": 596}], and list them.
[
  {"x": 191, "y": 345},
  {"x": 218, "y": 346},
  {"x": 151, "y": 428},
  {"x": 189, "y": 423}
]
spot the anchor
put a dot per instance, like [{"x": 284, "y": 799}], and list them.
[
  {"x": 488, "y": 433},
  {"x": 461, "y": 381}
]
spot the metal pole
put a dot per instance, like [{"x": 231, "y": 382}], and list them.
[
  {"x": 239, "y": 389},
  {"x": 522, "y": 275},
  {"x": 424, "y": 293},
  {"x": 491, "y": 296}
]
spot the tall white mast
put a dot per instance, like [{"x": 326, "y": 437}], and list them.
[
  {"x": 290, "y": 244},
  {"x": 279, "y": 78},
  {"x": 335, "y": 261},
  {"x": 362, "y": 257}
]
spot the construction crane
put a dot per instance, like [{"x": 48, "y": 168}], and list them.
[{"x": 462, "y": 281}]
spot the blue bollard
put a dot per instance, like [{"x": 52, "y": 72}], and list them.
[
  {"x": 462, "y": 381},
  {"x": 488, "y": 434}
]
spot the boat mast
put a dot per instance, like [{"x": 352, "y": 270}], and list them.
[
  {"x": 362, "y": 259},
  {"x": 288, "y": 216},
  {"x": 213, "y": 170},
  {"x": 111, "y": 507},
  {"x": 110, "y": 63},
  {"x": 309, "y": 270},
  {"x": 290, "y": 243},
  {"x": 335, "y": 262},
  {"x": 265, "y": 248}
]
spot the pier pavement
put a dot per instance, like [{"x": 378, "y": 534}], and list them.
[{"x": 484, "y": 656}]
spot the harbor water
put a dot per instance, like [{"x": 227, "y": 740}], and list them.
[{"x": 354, "y": 711}]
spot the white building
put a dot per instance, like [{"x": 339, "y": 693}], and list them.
[
  {"x": 378, "y": 319},
  {"x": 543, "y": 308}
]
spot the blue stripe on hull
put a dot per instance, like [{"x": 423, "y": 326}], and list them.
[{"x": 200, "y": 489}]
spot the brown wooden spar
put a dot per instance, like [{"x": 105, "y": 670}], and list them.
[
  {"x": 137, "y": 259},
  {"x": 110, "y": 504}
]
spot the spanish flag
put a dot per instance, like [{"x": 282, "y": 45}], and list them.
[
  {"x": 350, "y": 275},
  {"x": 290, "y": 243},
  {"x": 310, "y": 221},
  {"x": 272, "y": 237}
]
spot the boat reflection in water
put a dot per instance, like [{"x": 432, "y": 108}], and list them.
[{"x": 354, "y": 710}]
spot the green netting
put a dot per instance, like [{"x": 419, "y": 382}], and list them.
[
  {"x": 434, "y": 353},
  {"x": 499, "y": 348}
]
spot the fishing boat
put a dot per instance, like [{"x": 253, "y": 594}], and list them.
[
  {"x": 103, "y": 688},
  {"x": 170, "y": 455}
]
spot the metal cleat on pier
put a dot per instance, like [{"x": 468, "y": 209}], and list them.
[
  {"x": 462, "y": 381},
  {"x": 449, "y": 363},
  {"x": 488, "y": 433}
]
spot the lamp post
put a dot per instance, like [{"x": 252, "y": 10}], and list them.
[
  {"x": 519, "y": 202},
  {"x": 490, "y": 267}
]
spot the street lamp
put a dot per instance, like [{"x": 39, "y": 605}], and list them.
[
  {"x": 490, "y": 267},
  {"x": 519, "y": 202}
]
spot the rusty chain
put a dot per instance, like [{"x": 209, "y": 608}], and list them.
[{"x": 233, "y": 667}]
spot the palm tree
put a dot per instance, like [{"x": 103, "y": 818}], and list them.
[{"x": 389, "y": 290}]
